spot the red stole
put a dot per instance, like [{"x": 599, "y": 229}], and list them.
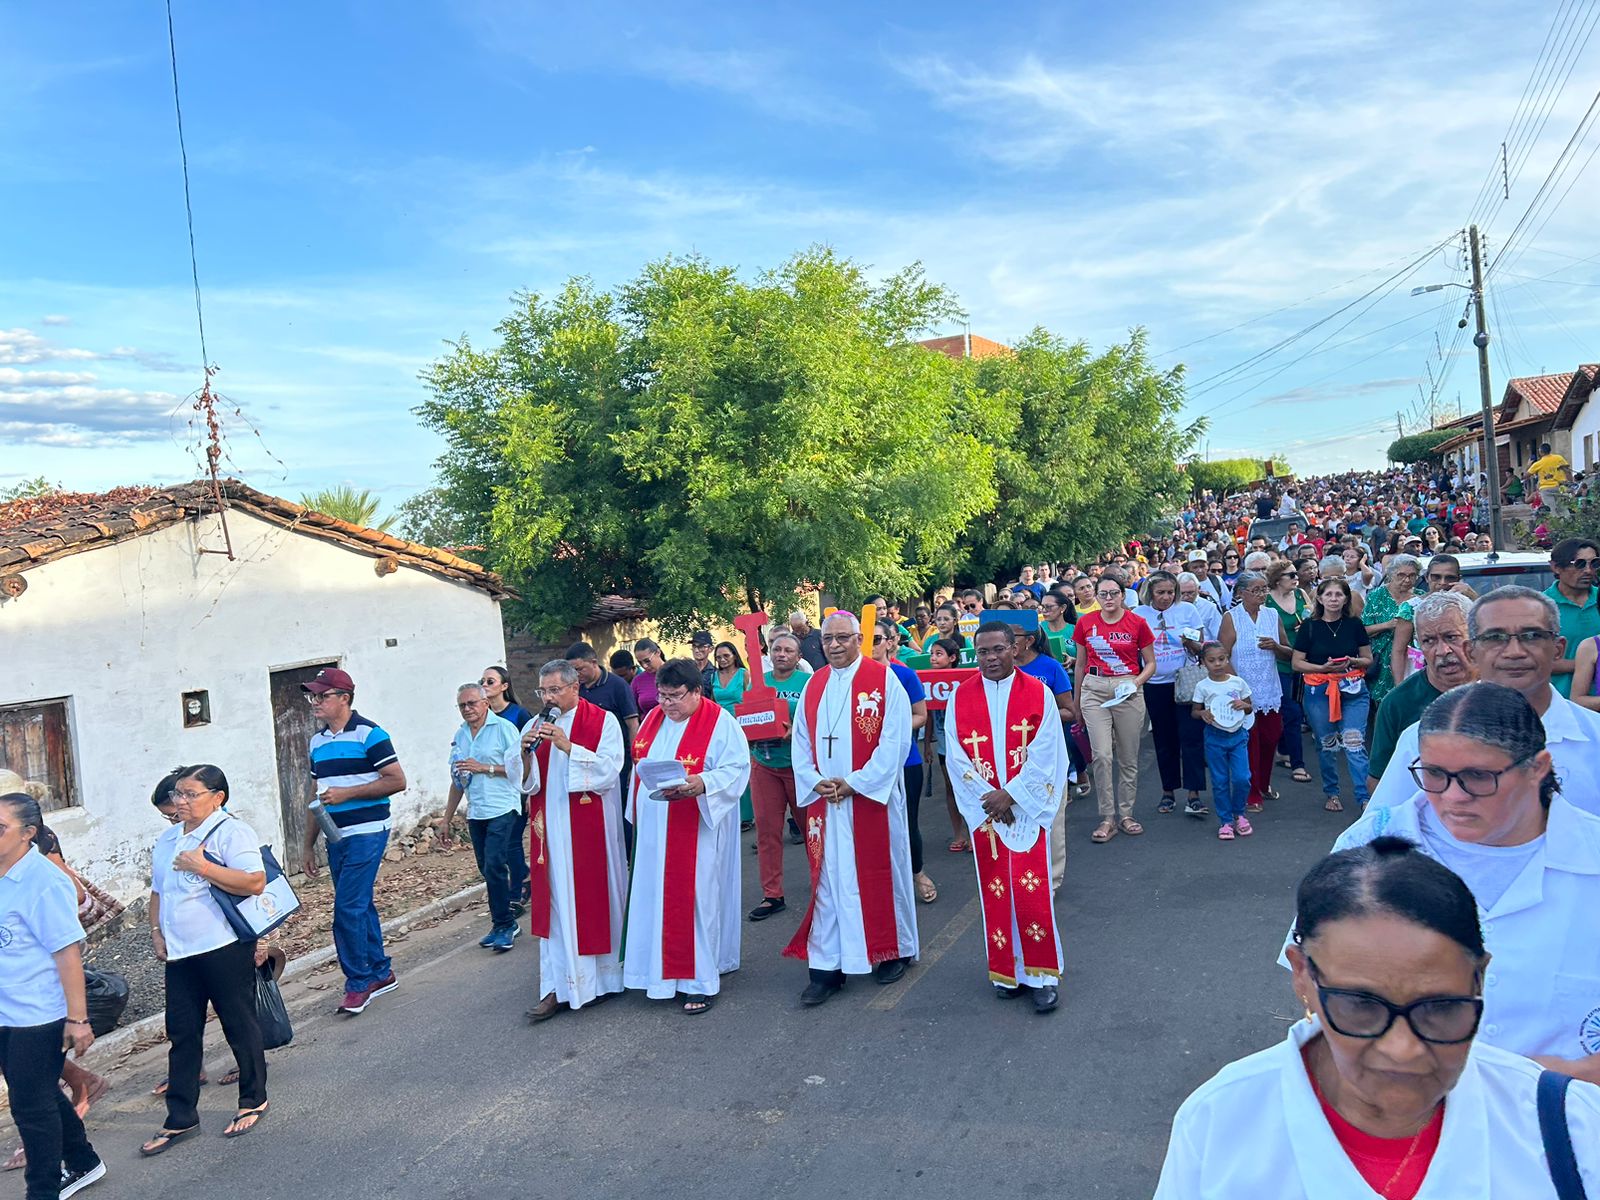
[
  {"x": 874, "y": 872},
  {"x": 1009, "y": 883},
  {"x": 683, "y": 837},
  {"x": 591, "y": 891}
]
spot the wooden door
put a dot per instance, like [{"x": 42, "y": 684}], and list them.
[{"x": 293, "y": 725}]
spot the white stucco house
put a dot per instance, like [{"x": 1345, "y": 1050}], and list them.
[{"x": 131, "y": 641}]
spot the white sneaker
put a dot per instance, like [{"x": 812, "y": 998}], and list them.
[{"x": 73, "y": 1182}]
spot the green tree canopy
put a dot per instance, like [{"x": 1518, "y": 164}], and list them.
[
  {"x": 1419, "y": 447},
  {"x": 1224, "y": 475}
]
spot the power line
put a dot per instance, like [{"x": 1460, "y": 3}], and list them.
[
  {"x": 188, "y": 206},
  {"x": 1557, "y": 170}
]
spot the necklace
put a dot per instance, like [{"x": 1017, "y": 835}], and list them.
[{"x": 1410, "y": 1152}]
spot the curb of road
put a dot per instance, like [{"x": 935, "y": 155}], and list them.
[{"x": 130, "y": 1034}]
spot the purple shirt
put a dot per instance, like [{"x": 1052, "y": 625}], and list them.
[{"x": 644, "y": 691}]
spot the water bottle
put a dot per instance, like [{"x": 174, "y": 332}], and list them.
[{"x": 325, "y": 820}]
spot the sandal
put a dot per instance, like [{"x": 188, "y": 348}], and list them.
[
  {"x": 1104, "y": 833},
  {"x": 18, "y": 1160},
  {"x": 1333, "y": 805},
  {"x": 160, "y": 1089},
  {"x": 1254, "y": 807},
  {"x": 959, "y": 845},
  {"x": 1282, "y": 760},
  {"x": 163, "y": 1141},
  {"x": 251, "y": 1115},
  {"x": 1130, "y": 827},
  {"x": 926, "y": 891},
  {"x": 1300, "y": 775},
  {"x": 1168, "y": 803},
  {"x": 693, "y": 1006},
  {"x": 231, "y": 1077}
]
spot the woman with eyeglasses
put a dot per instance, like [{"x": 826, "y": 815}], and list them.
[
  {"x": 1385, "y": 1088},
  {"x": 1285, "y": 596},
  {"x": 206, "y": 960},
  {"x": 1115, "y": 655},
  {"x": 1487, "y": 805},
  {"x": 1389, "y": 609}
]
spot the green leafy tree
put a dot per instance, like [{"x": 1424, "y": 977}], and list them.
[
  {"x": 1087, "y": 453},
  {"x": 1224, "y": 475},
  {"x": 431, "y": 518},
  {"x": 709, "y": 444},
  {"x": 28, "y": 489},
  {"x": 1419, "y": 447},
  {"x": 347, "y": 504}
]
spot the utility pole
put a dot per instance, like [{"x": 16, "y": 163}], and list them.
[{"x": 1491, "y": 450}]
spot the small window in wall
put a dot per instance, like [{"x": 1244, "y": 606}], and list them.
[
  {"x": 1588, "y": 452},
  {"x": 34, "y": 743}
]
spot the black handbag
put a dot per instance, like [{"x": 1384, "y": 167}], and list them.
[{"x": 1557, "y": 1136}]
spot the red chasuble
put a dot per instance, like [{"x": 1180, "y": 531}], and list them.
[
  {"x": 1009, "y": 882},
  {"x": 683, "y": 838},
  {"x": 587, "y": 817},
  {"x": 874, "y": 873}
]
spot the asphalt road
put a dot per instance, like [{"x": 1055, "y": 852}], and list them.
[{"x": 928, "y": 1087}]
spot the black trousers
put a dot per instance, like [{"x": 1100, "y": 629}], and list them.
[
  {"x": 31, "y": 1058},
  {"x": 226, "y": 978},
  {"x": 1179, "y": 739},
  {"x": 913, "y": 780}
]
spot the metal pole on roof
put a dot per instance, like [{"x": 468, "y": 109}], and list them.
[{"x": 1491, "y": 451}]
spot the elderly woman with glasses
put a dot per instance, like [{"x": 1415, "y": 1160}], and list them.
[
  {"x": 1385, "y": 1089},
  {"x": 1486, "y": 803}
]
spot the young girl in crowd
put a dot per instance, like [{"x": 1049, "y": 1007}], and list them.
[
  {"x": 1222, "y": 701},
  {"x": 944, "y": 654}
]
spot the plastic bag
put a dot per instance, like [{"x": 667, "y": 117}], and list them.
[
  {"x": 107, "y": 993},
  {"x": 271, "y": 1014}
]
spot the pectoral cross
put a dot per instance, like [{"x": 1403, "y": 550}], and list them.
[
  {"x": 830, "y": 739},
  {"x": 994, "y": 842},
  {"x": 972, "y": 741}
]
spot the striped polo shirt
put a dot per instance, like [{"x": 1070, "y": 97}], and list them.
[{"x": 350, "y": 758}]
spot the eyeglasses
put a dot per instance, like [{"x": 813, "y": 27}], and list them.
[
  {"x": 1438, "y": 1020},
  {"x": 971, "y": 606},
  {"x": 314, "y": 698},
  {"x": 1583, "y": 564},
  {"x": 1501, "y": 638},
  {"x": 466, "y": 704},
  {"x": 1474, "y": 781},
  {"x": 666, "y": 697},
  {"x": 556, "y": 691},
  {"x": 1290, "y": 575},
  {"x": 845, "y": 638},
  {"x": 178, "y": 794},
  {"x": 1432, "y": 578}
]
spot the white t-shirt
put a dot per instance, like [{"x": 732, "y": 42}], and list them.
[
  {"x": 1491, "y": 869},
  {"x": 38, "y": 917},
  {"x": 1216, "y": 695},
  {"x": 191, "y": 920}
]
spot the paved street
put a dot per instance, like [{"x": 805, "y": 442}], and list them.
[{"x": 922, "y": 1088}]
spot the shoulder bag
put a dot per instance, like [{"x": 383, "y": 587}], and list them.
[
  {"x": 253, "y": 917},
  {"x": 1557, "y": 1136}
]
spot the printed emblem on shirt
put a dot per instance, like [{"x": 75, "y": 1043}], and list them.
[
  {"x": 1588, "y": 1032},
  {"x": 5, "y": 936}
]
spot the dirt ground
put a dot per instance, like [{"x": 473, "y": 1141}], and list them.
[{"x": 402, "y": 886}]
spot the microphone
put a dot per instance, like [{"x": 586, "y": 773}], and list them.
[{"x": 550, "y": 713}]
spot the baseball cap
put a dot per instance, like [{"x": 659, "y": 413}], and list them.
[
  {"x": 329, "y": 679},
  {"x": 701, "y": 637}
]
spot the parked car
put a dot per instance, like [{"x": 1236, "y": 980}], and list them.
[
  {"x": 1275, "y": 529},
  {"x": 1483, "y": 572}
]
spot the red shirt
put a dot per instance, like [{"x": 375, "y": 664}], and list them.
[
  {"x": 1379, "y": 1160},
  {"x": 1113, "y": 649}
]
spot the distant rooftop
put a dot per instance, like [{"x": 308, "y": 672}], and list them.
[{"x": 966, "y": 345}]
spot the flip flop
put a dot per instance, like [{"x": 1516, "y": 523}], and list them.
[
  {"x": 926, "y": 891},
  {"x": 160, "y": 1089},
  {"x": 959, "y": 845},
  {"x": 163, "y": 1141},
  {"x": 694, "y": 1006},
  {"x": 231, "y": 1077},
  {"x": 253, "y": 1115},
  {"x": 18, "y": 1160},
  {"x": 1333, "y": 805},
  {"x": 1300, "y": 775}
]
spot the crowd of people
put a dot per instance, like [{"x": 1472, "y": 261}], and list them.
[{"x": 1467, "y": 727}]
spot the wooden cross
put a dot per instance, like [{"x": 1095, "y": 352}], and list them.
[
  {"x": 973, "y": 740},
  {"x": 830, "y": 739}
]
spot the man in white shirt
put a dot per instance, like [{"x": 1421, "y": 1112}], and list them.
[
  {"x": 1515, "y": 639},
  {"x": 486, "y": 768}
]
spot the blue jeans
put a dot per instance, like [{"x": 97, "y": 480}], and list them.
[
  {"x": 1228, "y": 759},
  {"x": 357, "y": 934},
  {"x": 494, "y": 841},
  {"x": 1292, "y": 742},
  {"x": 1349, "y": 734}
]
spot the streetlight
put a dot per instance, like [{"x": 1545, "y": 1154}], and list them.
[{"x": 1480, "y": 339}]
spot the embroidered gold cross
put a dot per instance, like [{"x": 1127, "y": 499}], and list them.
[
  {"x": 1024, "y": 727},
  {"x": 1030, "y": 881},
  {"x": 999, "y": 938},
  {"x": 538, "y": 832},
  {"x": 998, "y": 888},
  {"x": 1035, "y": 932},
  {"x": 994, "y": 842},
  {"x": 973, "y": 740}
]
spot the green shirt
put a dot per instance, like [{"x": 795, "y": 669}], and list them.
[
  {"x": 1061, "y": 643},
  {"x": 775, "y": 753},
  {"x": 1401, "y": 709},
  {"x": 1578, "y": 621}
]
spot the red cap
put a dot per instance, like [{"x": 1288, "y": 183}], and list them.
[{"x": 329, "y": 679}]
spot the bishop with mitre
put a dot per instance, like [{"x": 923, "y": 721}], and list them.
[
  {"x": 850, "y": 742},
  {"x": 1008, "y": 767},
  {"x": 684, "y": 904},
  {"x": 577, "y": 867}
]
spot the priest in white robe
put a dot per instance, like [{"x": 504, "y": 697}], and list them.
[
  {"x": 684, "y": 907},
  {"x": 850, "y": 743},
  {"x": 1008, "y": 768},
  {"x": 578, "y": 868}
]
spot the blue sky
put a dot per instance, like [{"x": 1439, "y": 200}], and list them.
[{"x": 371, "y": 180}]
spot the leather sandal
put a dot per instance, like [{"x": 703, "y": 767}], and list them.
[
  {"x": 1106, "y": 831},
  {"x": 1130, "y": 827}
]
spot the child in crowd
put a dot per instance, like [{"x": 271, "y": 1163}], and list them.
[{"x": 1222, "y": 701}]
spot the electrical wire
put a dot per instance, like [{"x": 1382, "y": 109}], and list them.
[
  {"x": 1509, "y": 247},
  {"x": 188, "y": 205}
]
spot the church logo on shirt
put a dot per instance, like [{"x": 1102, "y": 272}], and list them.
[
  {"x": 1589, "y": 1033},
  {"x": 5, "y": 936}
]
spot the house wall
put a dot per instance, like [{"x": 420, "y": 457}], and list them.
[
  {"x": 1586, "y": 426},
  {"x": 123, "y": 630}
]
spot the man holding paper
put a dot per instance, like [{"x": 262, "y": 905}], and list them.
[
  {"x": 691, "y": 764},
  {"x": 577, "y": 868},
  {"x": 1008, "y": 768},
  {"x": 849, "y": 746}
]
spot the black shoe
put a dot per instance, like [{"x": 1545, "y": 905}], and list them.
[
  {"x": 1195, "y": 808},
  {"x": 769, "y": 906},
  {"x": 888, "y": 972},
  {"x": 519, "y": 908},
  {"x": 1002, "y": 992},
  {"x": 73, "y": 1182},
  {"x": 796, "y": 838},
  {"x": 746, "y": 826},
  {"x": 1044, "y": 999},
  {"x": 818, "y": 992}
]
